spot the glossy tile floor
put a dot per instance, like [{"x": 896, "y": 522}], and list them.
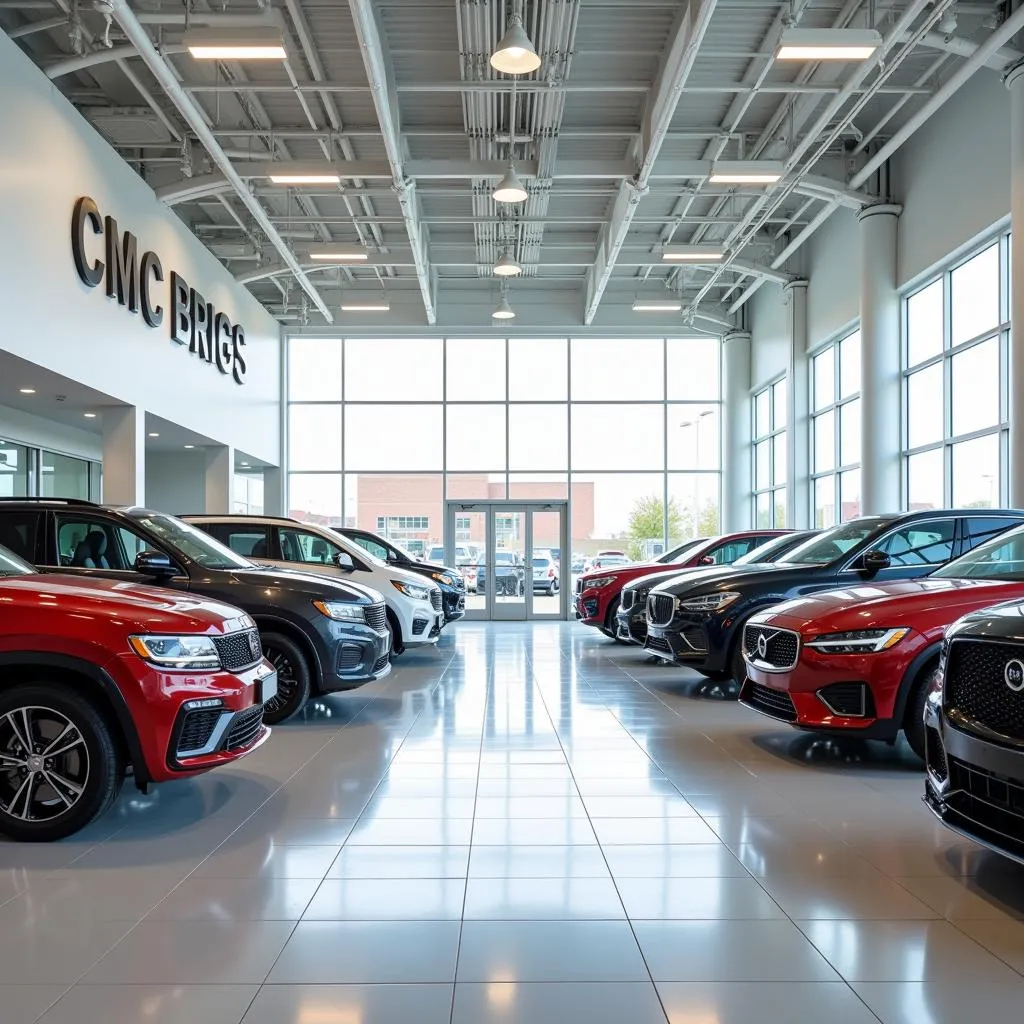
[{"x": 528, "y": 824}]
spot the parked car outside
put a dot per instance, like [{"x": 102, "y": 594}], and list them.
[
  {"x": 453, "y": 587},
  {"x": 701, "y": 624},
  {"x": 509, "y": 573},
  {"x": 415, "y": 612},
  {"x": 545, "y": 573},
  {"x": 598, "y": 592},
  {"x": 631, "y": 618},
  {"x": 865, "y": 655},
  {"x": 321, "y": 635},
  {"x": 99, "y": 678},
  {"x": 974, "y": 730}
]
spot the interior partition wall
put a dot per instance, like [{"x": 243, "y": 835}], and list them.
[{"x": 381, "y": 432}]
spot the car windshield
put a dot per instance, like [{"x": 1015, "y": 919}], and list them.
[
  {"x": 540, "y": 563},
  {"x": 676, "y": 554},
  {"x": 1001, "y": 558},
  {"x": 190, "y": 541},
  {"x": 772, "y": 551},
  {"x": 12, "y": 565},
  {"x": 504, "y": 558},
  {"x": 609, "y": 562},
  {"x": 835, "y": 543}
]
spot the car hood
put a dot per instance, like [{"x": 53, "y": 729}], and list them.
[
  {"x": 137, "y": 606},
  {"x": 729, "y": 577},
  {"x": 626, "y": 573},
  {"x": 330, "y": 588},
  {"x": 862, "y": 605},
  {"x": 695, "y": 574},
  {"x": 421, "y": 567}
]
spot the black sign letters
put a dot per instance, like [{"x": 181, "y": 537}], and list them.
[{"x": 130, "y": 281}]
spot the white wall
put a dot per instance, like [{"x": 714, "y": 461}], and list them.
[
  {"x": 176, "y": 482},
  {"x": 833, "y": 262},
  {"x": 38, "y": 432},
  {"x": 769, "y": 335},
  {"x": 49, "y": 157},
  {"x": 953, "y": 176}
]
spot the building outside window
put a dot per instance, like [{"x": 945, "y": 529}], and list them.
[
  {"x": 835, "y": 431},
  {"x": 627, "y": 430},
  {"x": 770, "y": 456},
  {"x": 956, "y": 333},
  {"x": 403, "y": 529}
]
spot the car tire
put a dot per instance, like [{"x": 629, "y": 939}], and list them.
[
  {"x": 737, "y": 666},
  {"x": 397, "y": 643},
  {"x": 913, "y": 717},
  {"x": 92, "y": 764},
  {"x": 610, "y": 629},
  {"x": 293, "y": 678}
]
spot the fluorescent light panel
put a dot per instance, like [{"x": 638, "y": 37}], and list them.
[
  {"x": 340, "y": 256},
  {"x": 288, "y": 172},
  {"x": 236, "y": 44},
  {"x": 641, "y": 306},
  {"x": 691, "y": 254},
  {"x": 365, "y": 307},
  {"x": 827, "y": 44},
  {"x": 746, "y": 172}
]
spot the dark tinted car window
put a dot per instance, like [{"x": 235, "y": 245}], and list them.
[
  {"x": 18, "y": 532},
  {"x": 250, "y": 541},
  {"x": 983, "y": 528},
  {"x": 733, "y": 549},
  {"x": 927, "y": 543},
  {"x": 374, "y": 547}
]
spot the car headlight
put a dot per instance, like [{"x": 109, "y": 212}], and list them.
[
  {"x": 443, "y": 577},
  {"x": 413, "y": 590},
  {"x": 709, "y": 602},
  {"x": 858, "y": 641},
  {"x": 598, "y": 582},
  {"x": 179, "y": 652},
  {"x": 341, "y": 611}
]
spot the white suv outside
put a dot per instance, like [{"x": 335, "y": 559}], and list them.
[{"x": 414, "y": 606}]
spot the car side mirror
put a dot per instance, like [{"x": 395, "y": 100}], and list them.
[
  {"x": 874, "y": 562},
  {"x": 344, "y": 561},
  {"x": 155, "y": 563},
  {"x": 707, "y": 560}
]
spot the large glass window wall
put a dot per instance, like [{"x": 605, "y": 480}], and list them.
[
  {"x": 956, "y": 333},
  {"x": 382, "y": 431},
  {"x": 770, "y": 456}
]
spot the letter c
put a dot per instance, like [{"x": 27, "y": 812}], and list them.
[{"x": 86, "y": 210}]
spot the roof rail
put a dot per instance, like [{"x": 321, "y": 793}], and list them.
[{"x": 49, "y": 501}]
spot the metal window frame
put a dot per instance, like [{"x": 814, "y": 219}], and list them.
[{"x": 774, "y": 488}]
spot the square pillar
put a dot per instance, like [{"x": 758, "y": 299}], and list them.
[
  {"x": 737, "y": 442},
  {"x": 124, "y": 455},
  {"x": 273, "y": 491},
  {"x": 1014, "y": 79},
  {"x": 220, "y": 478},
  {"x": 798, "y": 414}
]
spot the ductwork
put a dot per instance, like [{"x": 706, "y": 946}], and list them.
[{"x": 147, "y": 51}]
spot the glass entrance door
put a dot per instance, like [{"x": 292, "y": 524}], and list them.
[{"x": 510, "y": 556}]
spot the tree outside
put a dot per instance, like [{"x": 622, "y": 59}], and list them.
[{"x": 647, "y": 522}]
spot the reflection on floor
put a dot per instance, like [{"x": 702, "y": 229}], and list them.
[{"x": 528, "y": 824}]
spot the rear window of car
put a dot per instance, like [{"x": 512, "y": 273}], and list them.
[{"x": 539, "y": 563}]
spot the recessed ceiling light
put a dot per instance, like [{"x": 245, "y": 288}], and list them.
[
  {"x": 254, "y": 43},
  {"x": 154, "y": 434},
  {"x": 296, "y": 172},
  {"x": 89, "y": 415},
  {"x": 510, "y": 189},
  {"x": 190, "y": 446},
  {"x": 365, "y": 307},
  {"x": 339, "y": 256},
  {"x": 827, "y": 44},
  {"x": 746, "y": 172},
  {"x": 656, "y": 307},
  {"x": 515, "y": 54},
  {"x": 691, "y": 254},
  {"x": 27, "y": 391},
  {"x": 503, "y": 311}
]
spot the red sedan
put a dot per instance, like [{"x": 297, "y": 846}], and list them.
[
  {"x": 861, "y": 660},
  {"x": 597, "y": 592}
]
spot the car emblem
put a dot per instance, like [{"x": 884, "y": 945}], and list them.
[
  {"x": 762, "y": 646},
  {"x": 1014, "y": 675}
]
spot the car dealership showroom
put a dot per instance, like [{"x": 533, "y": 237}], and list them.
[{"x": 511, "y": 511}]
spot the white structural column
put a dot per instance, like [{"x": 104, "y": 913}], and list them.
[
  {"x": 737, "y": 437},
  {"x": 1015, "y": 83},
  {"x": 219, "y": 480},
  {"x": 273, "y": 491},
  {"x": 880, "y": 434},
  {"x": 124, "y": 455},
  {"x": 798, "y": 414}
]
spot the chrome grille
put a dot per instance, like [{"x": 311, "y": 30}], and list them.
[
  {"x": 978, "y": 697},
  {"x": 660, "y": 609},
  {"x": 627, "y": 599},
  {"x": 376, "y": 617},
  {"x": 435, "y": 599},
  {"x": 239, "y": 650},
  {"x": 772, "y": 648}
]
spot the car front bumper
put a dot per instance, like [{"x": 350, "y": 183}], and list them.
[{"x": 356, "y": 654}]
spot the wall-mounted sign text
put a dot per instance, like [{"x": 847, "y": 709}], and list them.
[{"x": 138, "y": 285}]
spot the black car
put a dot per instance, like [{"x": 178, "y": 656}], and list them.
[
  {"x": 631, "y": 617},
  {"x": 974, "y": 730},
  {"x": 322, "y": 635},
  {"x": 453, "y": 586},
  {"x": 699, "y": 624}
]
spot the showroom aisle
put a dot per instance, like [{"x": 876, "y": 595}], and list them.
[{"x": 548, "y": 822}]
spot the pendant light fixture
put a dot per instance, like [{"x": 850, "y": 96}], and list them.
[
  {"x": 507, "y": 266},
  {"x": 515, "y": 54},
  {"x": 510, "y": 189},
  {"x": 503, "y": 311}
]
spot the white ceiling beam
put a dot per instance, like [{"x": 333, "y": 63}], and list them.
[
  {"x": 382, "y": 83},
  {"x": 690, "y": 28},
  {"x": 817, "y": 186}
]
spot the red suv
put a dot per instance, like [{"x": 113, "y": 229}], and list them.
[
  {"x": 597, "y": 592},
  {"x": 99, "y": 676},
  {"x": 861, "y": 660}
]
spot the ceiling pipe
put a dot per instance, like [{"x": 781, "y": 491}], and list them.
[
  {"x": 973, "y": 64},
  {"x": 46, "y": 25},
  {"x": 998, "y": 59},
  {"x": 162, "y": 72},
  {"x": 91, "y": 60}
]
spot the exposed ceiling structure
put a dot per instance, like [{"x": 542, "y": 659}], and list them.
[{"x": 616, "y": 137}]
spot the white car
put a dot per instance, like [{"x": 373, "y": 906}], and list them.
[{"x": 414, "y": 606}]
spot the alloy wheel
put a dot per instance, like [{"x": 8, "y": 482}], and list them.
[
  {"x": 287, "y": 681},
  {"x": 44, "y": 763}
]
